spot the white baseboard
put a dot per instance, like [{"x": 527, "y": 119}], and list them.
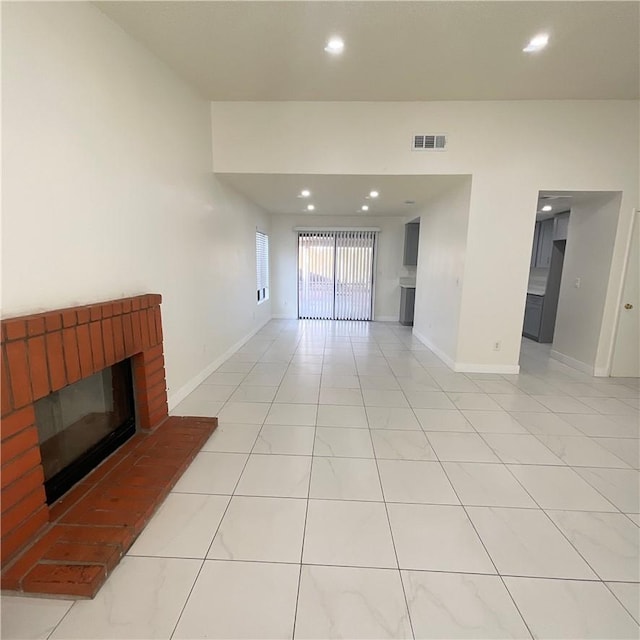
[
  {"x": 386, "y": 319},
  {"x": 464, "y": 367},
  {"x": 441, "y": 354},
  {"x": 177, "y": 397},
  {"x": 572, "y": 362},
  {"x": 283, "y": 316},
  {"x": 601, "y": 372}
]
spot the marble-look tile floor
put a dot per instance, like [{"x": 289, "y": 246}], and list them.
[{"x": 358, "y": 488}]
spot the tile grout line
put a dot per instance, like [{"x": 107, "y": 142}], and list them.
[
  {"x": 306, "y": 515},
  {"x": 565, "y": 466},
  {"x": 635, "y": 616},
  {"x": 182, "y": 610},
  {"x": 393, "y": 542},
  {"x": 562, "y": 533},
  {"x": 450, "y": 504},
  {"x": 67, "y": 612},
  {"x": 484, "y": 546},
  {"x": 379, "y": 568},
  {"x": 204, "y": 560},
  {"x": 481, "y": 540}
]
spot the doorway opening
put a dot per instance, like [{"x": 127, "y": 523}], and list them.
[
  {"x": 545, "y": 269},
  {"x": 335, "y": 275},
  {"x": 572, "y": 253}
]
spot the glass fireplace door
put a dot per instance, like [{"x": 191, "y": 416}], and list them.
[{"x": 80, "y": 425}]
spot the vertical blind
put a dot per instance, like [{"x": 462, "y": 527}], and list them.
[
  {"x": 335, "y": 274},
  {"x": 316, "y": 272},
  {"x": 262, "y": 265}
]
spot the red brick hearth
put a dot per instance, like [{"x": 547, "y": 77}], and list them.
[{"x": 70, "y": 547}]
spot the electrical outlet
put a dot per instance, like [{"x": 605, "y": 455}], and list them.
[
  {"x": 497, "y": 345},
  {"x": 576, "y": 283}
]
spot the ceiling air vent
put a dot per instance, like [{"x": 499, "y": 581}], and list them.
[{"x": 429, "y": 142}]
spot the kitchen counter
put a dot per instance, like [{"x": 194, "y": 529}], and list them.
[{"x": 537, "y": 285}]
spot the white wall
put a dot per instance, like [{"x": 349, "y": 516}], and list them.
[
  {"x": 284, "y": 260},
  {"x": 440, "y": 274},
  {"x": 512, "y": 150},
  {"x": 107, "y": 187},
  {"x": 590, "y": 242}
]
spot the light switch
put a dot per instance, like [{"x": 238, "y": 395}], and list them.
[{"x": 576, "y": 283}]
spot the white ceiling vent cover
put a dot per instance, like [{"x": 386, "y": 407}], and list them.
[{"x": 429, "y": 142}]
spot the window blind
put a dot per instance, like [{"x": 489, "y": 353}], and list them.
[
  {"x": 354, "y": 275},
  {"x": 262, "y": 265}
]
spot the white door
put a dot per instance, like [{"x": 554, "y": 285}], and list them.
[{"x": 626, "y": 350}]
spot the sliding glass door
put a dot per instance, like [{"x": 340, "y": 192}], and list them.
[
  {"x": 335, "y": 274},
  {"x": 316, "y": 275}
]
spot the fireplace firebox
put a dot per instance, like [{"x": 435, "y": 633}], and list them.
[{"x": 80, "y": 425}]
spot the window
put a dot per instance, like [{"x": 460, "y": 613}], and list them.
[{"x": 262, "y": 266}]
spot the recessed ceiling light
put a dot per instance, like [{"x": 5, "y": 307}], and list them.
[
  {"x": 537, "y": 43},
  {"x": 547, "y": 207},
  {"x": 305, "y": 193},
  {"x": 373, "y": 194},
  {"x": 310, "y": 207},
  {"x": 365, "y": 207},
  {"x": 335, "y": 46}
]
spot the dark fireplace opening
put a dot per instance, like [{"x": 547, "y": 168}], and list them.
[{"x": 82, "y": 424}]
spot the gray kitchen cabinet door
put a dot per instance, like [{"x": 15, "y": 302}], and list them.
[
  {"x": 532, "y": 317},
  {"x": 561, "y": 226},
  {"x": 407, "y": 306},
  {"x": 545, "y": 244},
  {"x": 411, "y": 238},
  {"x": 534, "y": 248}
]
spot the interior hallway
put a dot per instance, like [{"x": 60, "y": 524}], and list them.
[{"x": 356, "y": 487}]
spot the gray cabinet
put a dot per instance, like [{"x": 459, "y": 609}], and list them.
[
  {"x": 542, "y": 244},
  {"x": 540, "y": 311},
  {"x": 533, "y": 316},
  {"x": 534, "y": 250},
  {"x": 407, "y": 305},
  {"x": 561, "y": 226},
  {"x": 411, "y": 238},
  {"x": 545, "y": 244}
]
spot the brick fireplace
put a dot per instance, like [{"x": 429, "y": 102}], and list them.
[{"x": 70, "y": 546}]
